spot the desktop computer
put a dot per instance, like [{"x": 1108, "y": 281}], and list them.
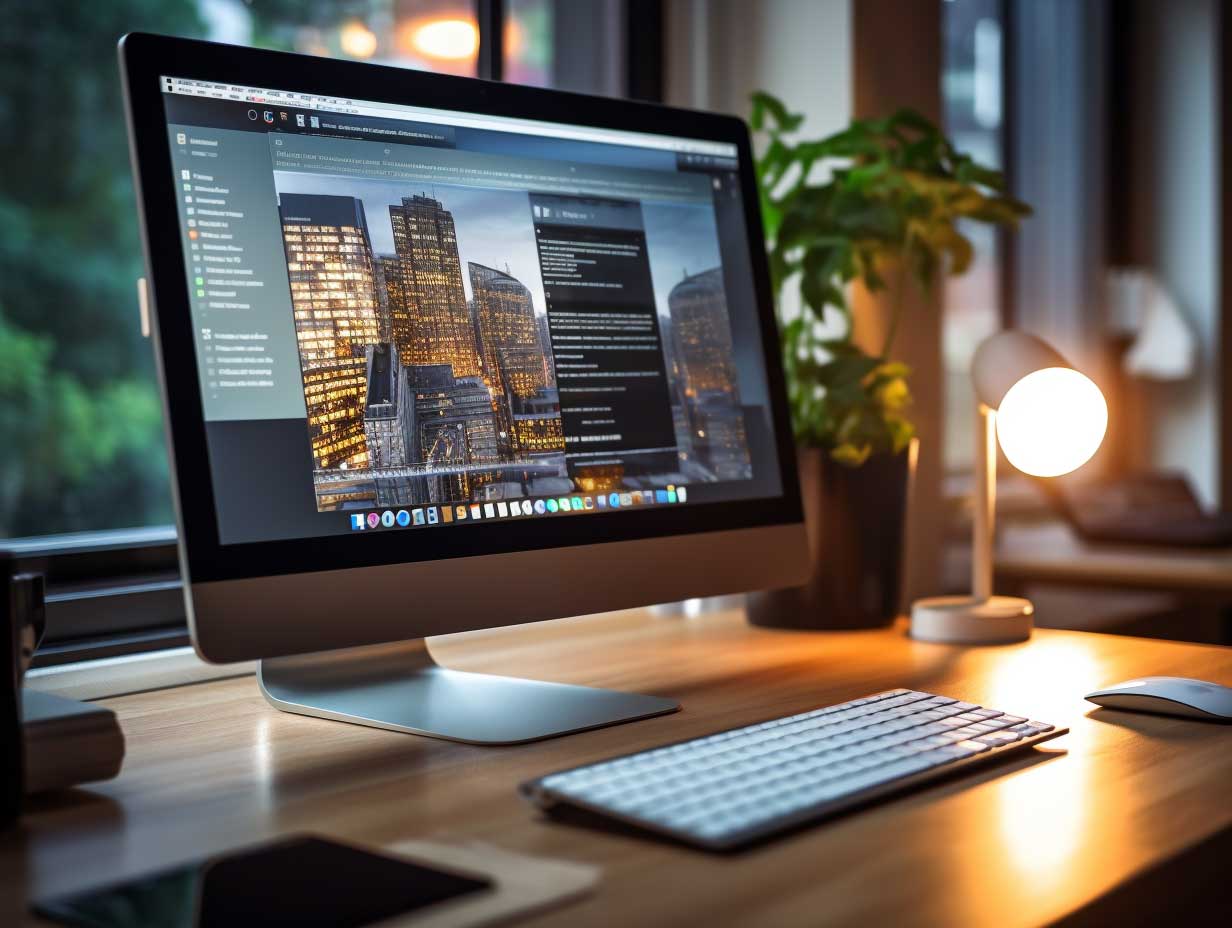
[{"x": 439, "y": 354}]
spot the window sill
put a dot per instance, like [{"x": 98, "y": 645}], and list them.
[{"x": 132, "y": 673}]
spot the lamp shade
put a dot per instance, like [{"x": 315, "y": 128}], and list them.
[
  {"x": 1050, "y": 418},
  {"x": 1004, "y": 359}
]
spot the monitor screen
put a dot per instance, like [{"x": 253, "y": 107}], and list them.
[{"x": 412, "y": 319}]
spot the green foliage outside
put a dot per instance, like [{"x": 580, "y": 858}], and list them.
[
  {"x": 81, "y": 442},
  {"x": 886, "y": 217},
  {"x": 80, "y": 427}
]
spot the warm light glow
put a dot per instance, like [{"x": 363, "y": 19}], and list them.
[
  {"x": 1051, "y": 422},
  {"x": 448, "y": 39},
  {"x": 357, "y": 40}
]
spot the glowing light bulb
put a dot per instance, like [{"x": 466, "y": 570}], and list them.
[
  {"x": 1051, "y": 422},
  {"x": 357, "y": 40},
  {"x": 447, "y": 39}
]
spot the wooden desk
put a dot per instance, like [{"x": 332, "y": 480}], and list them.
[{"x": 1034, "y": 840}]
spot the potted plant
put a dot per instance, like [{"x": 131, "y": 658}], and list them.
[{"x": 885, "y": 218}]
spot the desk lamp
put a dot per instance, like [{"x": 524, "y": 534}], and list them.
[{"x": 1049, "y": 420}]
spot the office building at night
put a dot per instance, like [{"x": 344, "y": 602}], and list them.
[
  {"x": 455, "y": 424},
  {"x": 389, "y": 427},
  {"x": 703, "y": 359},
  {"x": 437, "y": 329},
  {"x": 333, "y": 296},
  {"x": 507, "y": 332}
]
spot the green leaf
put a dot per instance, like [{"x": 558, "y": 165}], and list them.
[
  {"x": 891, "y": 213},
  {"x": 851, "y": 455},
  {"x": 766, "y": 105}
]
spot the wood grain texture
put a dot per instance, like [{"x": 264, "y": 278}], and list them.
[{"x": 211, "y": 766}]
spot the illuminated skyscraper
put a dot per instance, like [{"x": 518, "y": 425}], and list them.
[
  {"x": 508, "y": 334},
  {"x": 537, "y": 427},
  {"x": 437, "y": 328},
  {"x": 398, "y": 313},
  {"x": 702, "y": 335},
  {"x": 706, "y": 373},
  {"x": 334, "y": 300}
]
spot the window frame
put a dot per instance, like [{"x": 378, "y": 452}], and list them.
[{"x": 119, "y": 591}]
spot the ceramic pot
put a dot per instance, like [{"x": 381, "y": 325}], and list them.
[{"x": 856, "y": 519}]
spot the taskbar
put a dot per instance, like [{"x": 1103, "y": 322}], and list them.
[{"x": 518, "y": 508}]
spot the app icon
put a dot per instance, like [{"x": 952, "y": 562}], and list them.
[
  {"x": 268, "y": 116},
  {"x": 661, "y": 496},
  {"x": 316, "y": 123},
  {"x": 446, "y": 514},
  {"x": 614, "y": 499},
  {"x": 540, "y": 507},
  {"x": 417, "y": 516},
  {"x": 526, "y": 507},
  {"x": 461, "y": 512},
  {"x": 374, "y": 519},
  {"x": 181, "y": 138},
  {"x": 387, "y": 519},
  {"x": 576, "y": 502},
  {"x": 403, "y": 517},
  {"x": 502, "y": 509},
  {"x": 601, "y": 501},
  {"x": 299, "y": 119},
  {"x": 589, "y": 502},
  {"x": 682, "y": 495},
  {"x": 626, "y": 499},
  {"x": 357, "y": 521},
  {"x": 637, "y": 497},
  {"x": 476, "y": 512},
  {"x": 489, "y": 511},
  {"x": 552, "y": 505},
  {"x": 671, "y": 496},
  {"x": 433, "y": 516},
  {"x": 564, "y": 504}
]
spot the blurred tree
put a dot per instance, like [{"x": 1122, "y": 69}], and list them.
[{"x": 80, "y": 438}]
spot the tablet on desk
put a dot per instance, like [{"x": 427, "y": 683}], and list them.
[{"x": 305, "y": 881}]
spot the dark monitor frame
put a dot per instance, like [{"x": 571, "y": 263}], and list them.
[{"x": 145, "y": 57}]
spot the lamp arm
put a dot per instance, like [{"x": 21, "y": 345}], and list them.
[{"x": 985, "y": 502}]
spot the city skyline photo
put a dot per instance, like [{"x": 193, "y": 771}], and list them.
[
  {"x": 427, "y": 363},
  {"x": 494, "y": 226},
  {"x": 427, "y": 375}
]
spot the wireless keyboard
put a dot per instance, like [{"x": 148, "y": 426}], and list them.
[{"x": 736, "y": 787}]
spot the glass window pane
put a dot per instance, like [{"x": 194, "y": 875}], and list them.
[
  {"x": 972, "y": 98},
  {"x": 528, "y": 42},
  {"x": 81, "y": 445}
]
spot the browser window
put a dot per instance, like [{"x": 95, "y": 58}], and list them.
[{"x": 403, "y": 312}]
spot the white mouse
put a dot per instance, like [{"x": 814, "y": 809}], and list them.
[{"x": 1168, "y": 696}]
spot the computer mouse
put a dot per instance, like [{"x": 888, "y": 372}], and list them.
[{"x": 1168, "y": 696}]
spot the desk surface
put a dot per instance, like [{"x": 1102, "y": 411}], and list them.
[
  {"x": 211, "y": 766},
  {"x": 1052, "y": 553}
]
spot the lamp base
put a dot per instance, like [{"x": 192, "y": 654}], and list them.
[{"x": 968, "y": 620}]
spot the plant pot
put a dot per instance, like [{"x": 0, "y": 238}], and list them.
[{"x": 855, "y": 518}]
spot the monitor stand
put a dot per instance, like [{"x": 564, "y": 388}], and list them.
[{"x": 400, "y": 687}]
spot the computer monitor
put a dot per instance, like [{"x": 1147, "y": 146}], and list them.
[{"x": 440, "y": 354}]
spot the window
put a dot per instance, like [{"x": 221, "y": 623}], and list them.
[
  {"x": 973, "y": 111},
  {"x": 84, "y": 491},
  {"x": 528, "y": 43}
]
